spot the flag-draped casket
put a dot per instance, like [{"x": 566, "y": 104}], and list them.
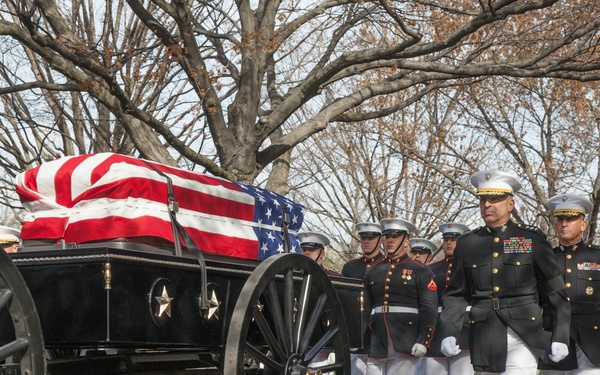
[{"x": 99, "y": 197}]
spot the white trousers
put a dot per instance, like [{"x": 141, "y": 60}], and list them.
[
  {"x": 519, "y": 360},
  {"x": 584, "y": 366},
  {"x": 459, "y": 364},
  {"x": 394, "y": 364},
  {"x": 358, "y": 364}
]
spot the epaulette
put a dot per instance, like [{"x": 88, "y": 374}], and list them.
[{"x": 591, "y": 246}]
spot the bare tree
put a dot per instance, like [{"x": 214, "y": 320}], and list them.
[{"x": 211, "y": 82}]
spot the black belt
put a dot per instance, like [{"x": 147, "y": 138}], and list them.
[{"x": 501, "y": 303}]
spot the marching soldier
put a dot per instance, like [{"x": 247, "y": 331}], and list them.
[
  {"x": 421, "y": 249},
  {"x": 497, "y": 269},
  {"x": 370, "y": 243},
  {"x": 436, "y": 363},
  {"x": 10, "y": 239},
  {"x": 313, "y": 246},
  {"x": 580, "y": 267},
  {"x": 402, "y": 297}
]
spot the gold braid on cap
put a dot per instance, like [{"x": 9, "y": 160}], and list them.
[
  {"x": 6, "y": 241},
  {"x": 493, "y": 191},
  {"x": 568, "y": 212}
]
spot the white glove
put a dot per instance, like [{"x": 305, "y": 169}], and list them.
[
  {"x": 418, "y": 350},
  {"x": 558, "y": 351},
  {"x": 449, "y": 347}
]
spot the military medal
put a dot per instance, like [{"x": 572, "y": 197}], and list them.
[
  {"x": 408, "y": 272},
  {"x": 404, "y": 273}
]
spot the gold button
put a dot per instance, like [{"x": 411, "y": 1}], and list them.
[
  {"x": 568, "y": 285},
  {"x": 447, "y": 279},
  {"x": 496, "y": 289},
  {"x": 533, "y": 318},
  {"x": 569, "y": 256},
  {"x": 387, "y": 287},
  {"x": 410, "y": 323},
  {"x": 474, "y": 266},
  {"x": 568, "y": 298},
  {"x": 568, "y": 270},
  {"x": 385, "y": 302},
  {"x": 390, "y": 272},
  {"x": 518, "y": 263},
  {"x": 387, "y": 295},
  {"x": 393, "y": 266},
  {"x": 496, "y": 240},
  {"x": 589, "y": 278},
  {"x": 595, "y": 328},
  {"x": 388, "y": 279},
  {"x": 495, "y": 270},
  {"x": 495, "y": 254},
  {"x": 449, "y": 271},
  {"x": 428, "y": 335}
]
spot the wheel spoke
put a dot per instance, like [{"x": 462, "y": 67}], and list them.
[
  {"x": 264, "y": 359},
  {"x": 312, "y": 322},
  {"x": 5, "y": 297},
  {"x": 319, "y": 345},
  {"x": 288, "y": 303},
  {"x": 302, "y": 307},
  {"x": 19, "y": 346},
  {"x": 267, "y": 333},
  {"x": 275, "y": 308}
]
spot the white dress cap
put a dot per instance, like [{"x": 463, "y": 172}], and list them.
[
  {"x": 9, "y": 235},
  {"x": 423, "y": 245},
  {"x": 312, "y": 239},
  {"x": 395, "y": 226},
  {"x": 494, "y": 182},
  {"x": 570, "y": 205},
  {"x": 369, "y": 229},
  {"x": 453, "y": 230}
]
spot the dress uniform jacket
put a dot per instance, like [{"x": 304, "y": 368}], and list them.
[
  {"x": 442, "y": 271},
  {"x": 358, "y": 268},
  {"x": 580, "y": 267},
  {"x": 400, "y": 284},
  {"x": 498, "y": 270}
]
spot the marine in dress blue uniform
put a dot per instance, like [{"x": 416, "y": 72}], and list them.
[
  {"x": 580, "y": 267},
  {"x": 370, "y": 243},
  {"x": 401, "y": 296},
  {"x": 421, "y": 249},
  {"x": 437, "y": 363},
  {"x": 313, "y": 246},
  {"x": 497, "y": 268}
]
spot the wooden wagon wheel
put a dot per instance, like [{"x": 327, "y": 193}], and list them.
[
  {"x": 27, "y": 349},
  {"x": 287, "y": 316}
]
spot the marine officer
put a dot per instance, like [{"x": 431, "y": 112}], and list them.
[
  {"x": 401, "y": 295},
  {"x": 497, "y": 268},
  {"x": 370, "y": 244},
  {"x": 580, "y": 267},
  {"x": 10, "y": 239}
]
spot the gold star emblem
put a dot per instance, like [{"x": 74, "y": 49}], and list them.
[
  {"x": 213, "y": 306},
  {"x": 164, "y": 303}
]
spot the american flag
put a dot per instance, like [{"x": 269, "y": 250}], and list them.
[{"x": 100, "y": 197}]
